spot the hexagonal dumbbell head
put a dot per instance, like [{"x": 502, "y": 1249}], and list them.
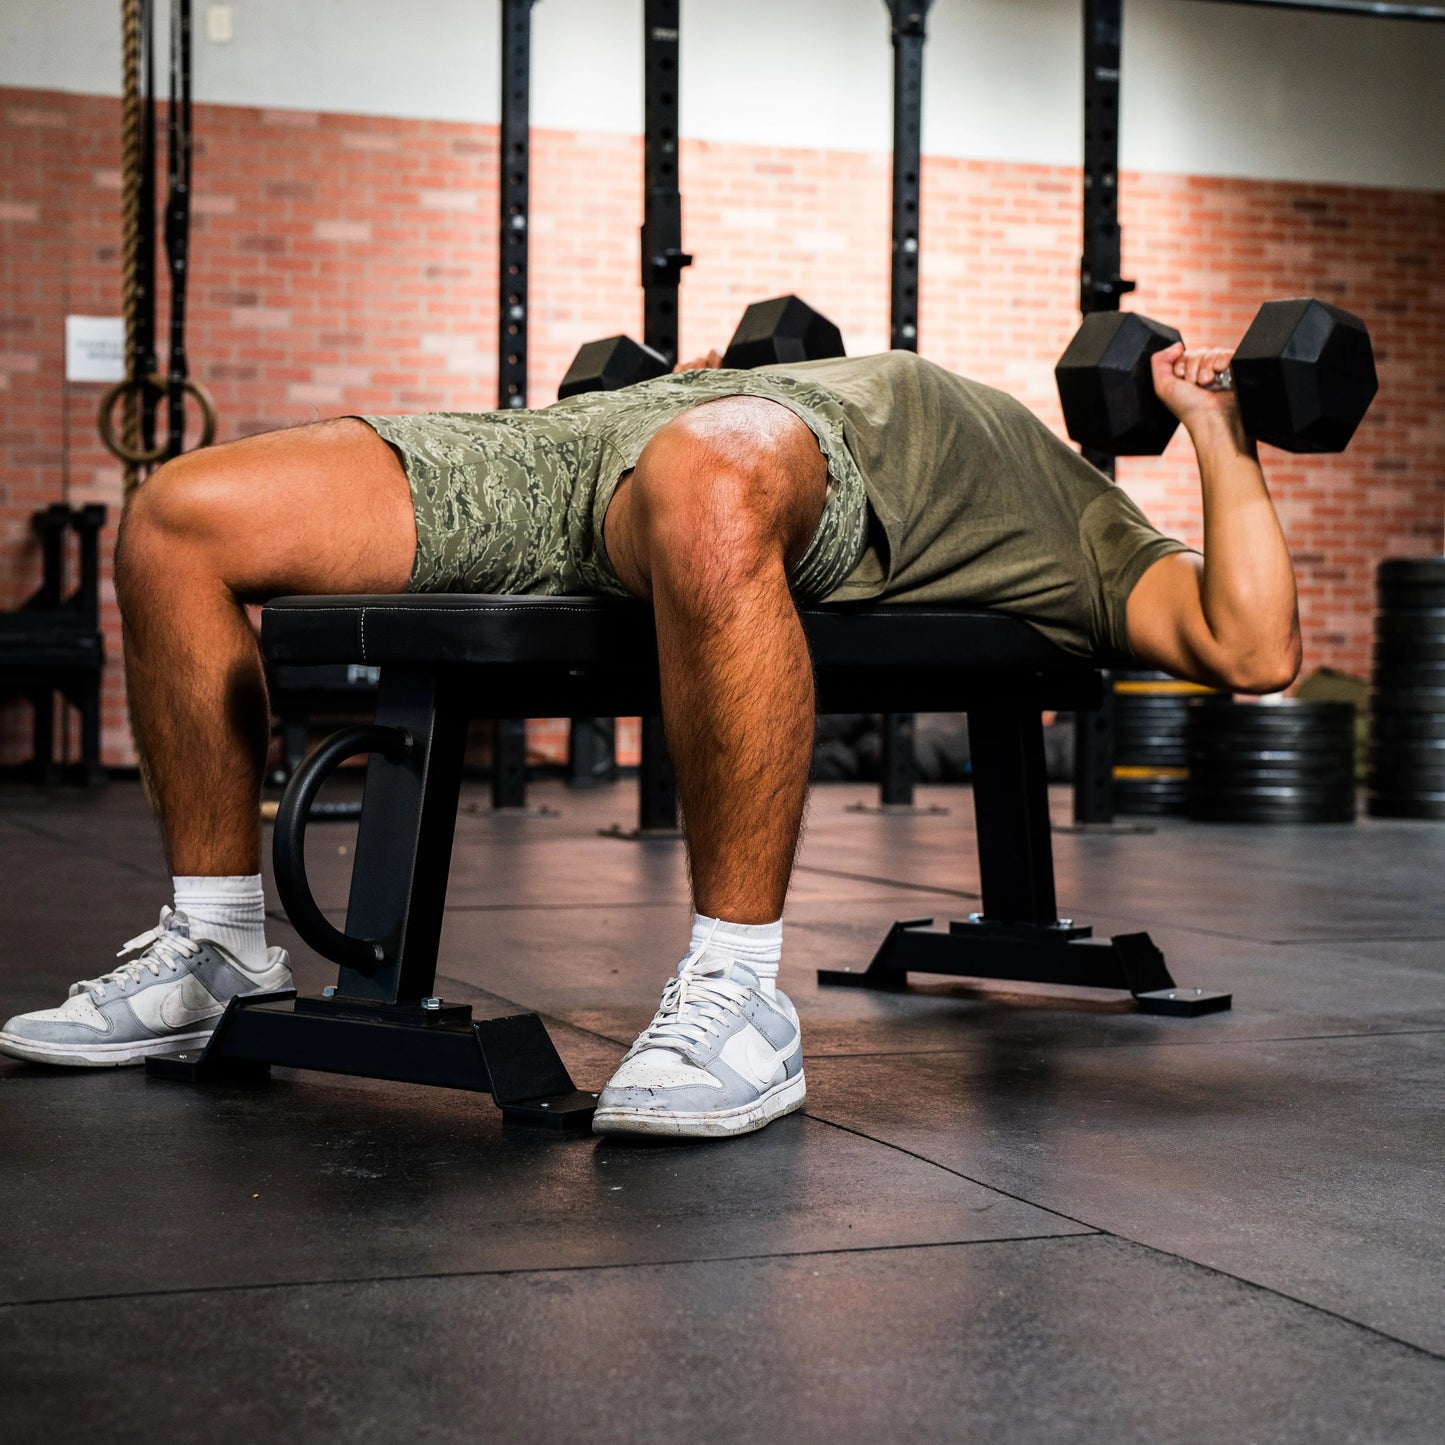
[
  {"x": 783, "y": 329},
  {"x": 1106, "y": 387},
  {"x": 613, "y": 362},
  {"x": 1304, "y": 375}
]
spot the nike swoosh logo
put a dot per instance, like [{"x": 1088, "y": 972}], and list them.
[
  {"x": 763, "y": 1059},
  {"x": 188, "y": 1004}
]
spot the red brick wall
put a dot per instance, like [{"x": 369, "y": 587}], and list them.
[{"x": 346, "y": 263}]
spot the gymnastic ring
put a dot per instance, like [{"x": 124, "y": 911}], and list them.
[
  {"x": 365, "y": 955},
  {"x": 157, "y": 384}
]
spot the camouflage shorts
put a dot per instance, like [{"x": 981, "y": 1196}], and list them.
[{"x": 513, "y": 502}]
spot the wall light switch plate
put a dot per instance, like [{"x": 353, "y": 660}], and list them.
[{"x": 220, "y": 24}]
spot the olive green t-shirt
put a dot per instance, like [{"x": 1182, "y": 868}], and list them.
[
  {"x": 977, "y": 502},
  {"x": 940, "y": 490},
  {"x": 972, "y": 499}
]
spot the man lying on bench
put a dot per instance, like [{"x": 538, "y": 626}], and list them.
[{"x": 720, "y": 497}]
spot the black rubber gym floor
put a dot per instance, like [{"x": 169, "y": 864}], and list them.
[{"x": 1035, "y": 1218}]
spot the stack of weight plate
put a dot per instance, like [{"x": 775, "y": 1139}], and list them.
[
  {"x": 1407, "y": 706},
  {"x": 1151, "y": 754},
  {"x": 1272, "y": 762}
]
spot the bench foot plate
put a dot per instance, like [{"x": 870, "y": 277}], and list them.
[
  {"x": 185, "y": 1067},
  {"x": 1056, "y": 953},
  {"x": 1185, "y": 1003},
  {"x": 513, "y": 1058},
  {"x": 570, "y": 1113}
]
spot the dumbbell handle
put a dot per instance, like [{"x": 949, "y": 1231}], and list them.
[{"x": 1223, "y": 381}]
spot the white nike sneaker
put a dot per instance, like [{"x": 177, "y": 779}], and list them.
[
  {"x": 720, "y": 1057},
  {"x": 172, "y": 994}
]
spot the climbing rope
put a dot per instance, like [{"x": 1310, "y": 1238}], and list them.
[{"x": 141, "y": 387}]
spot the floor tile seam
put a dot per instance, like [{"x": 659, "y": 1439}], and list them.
[
  {"x": 1097, "y": 1231},
  {"x": 1147, "y": 922},
  {"x": 552, "y": 907},
  {"x": 1145, "y": 1044},
  {"x": 1341, "y": 945},
  {"x": 593, "y": 1033},
  {"x": 327, "y": 1281},
  {"x": 1233, "y": 937},
  {"x": 948, "y": 1169},
  {"x": 1352, "y": 940},
  {"x": 971, "y": 895},
  {"x": 85, "y": 851},
  {"x": 896, "y": 883},
  {"x": 555, "y": 907},
  {"x": 1131, "y": 918},
  {"x": 1257, "y": 1286},
  {"x": 562, "y": 1022}
]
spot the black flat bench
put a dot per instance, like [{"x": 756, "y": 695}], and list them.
[{"x": 446, "y": 659}]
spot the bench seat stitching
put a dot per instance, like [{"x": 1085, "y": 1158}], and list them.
[{"x": 500, "y": 609}]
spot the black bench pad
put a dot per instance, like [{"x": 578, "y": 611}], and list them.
[{"x": 899, "y": 656}]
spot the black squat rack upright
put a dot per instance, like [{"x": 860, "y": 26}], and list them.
[
  {"x": 663, "y": 260},
  {"x": 509, "y": 744}
]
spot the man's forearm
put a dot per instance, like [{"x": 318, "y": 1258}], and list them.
[{"x": 1247, "y": 585}]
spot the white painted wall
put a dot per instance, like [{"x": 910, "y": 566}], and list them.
[{"x": 1209, "y": 89}]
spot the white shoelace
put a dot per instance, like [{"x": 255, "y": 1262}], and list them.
[
  {"x": 165, "y": 946},
  {"x": 697, "y": 1004}
]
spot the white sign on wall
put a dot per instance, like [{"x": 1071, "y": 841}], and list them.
[{"x": 94, "y": 348}]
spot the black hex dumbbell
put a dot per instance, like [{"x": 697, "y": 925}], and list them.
[
  {"x": 1304, "y": 375},
  {"x": 783, "y": 329},
  {"x": 612, "y": 363},
  {"x": 780, "y": 330}
]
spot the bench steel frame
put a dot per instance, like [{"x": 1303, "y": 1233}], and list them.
[{"x": 558, "y": 657}]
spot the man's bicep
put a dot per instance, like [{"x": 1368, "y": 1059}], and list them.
[{"x": 1166, "y": 622}]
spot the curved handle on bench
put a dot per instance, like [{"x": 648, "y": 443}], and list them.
[{"x": 365, "y": 955}]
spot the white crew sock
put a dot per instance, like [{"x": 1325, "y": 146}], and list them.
[
  {"x": 758, "y": 945},
  {"x": 228, "y": 911}
]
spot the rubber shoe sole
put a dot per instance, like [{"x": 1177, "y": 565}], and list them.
[
  {"x": 781, "y": 1099},
  {"x": 97, "y": 1055}
]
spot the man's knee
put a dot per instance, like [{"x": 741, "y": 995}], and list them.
[
  {"x": 689, "y": 492},
  {"x": 206, "y": 500},
  {"x": 182, "y": 506},
  {"x": 730, "y": 487}
]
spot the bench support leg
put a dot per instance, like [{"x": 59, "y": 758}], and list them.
[
  {"x": 384, "y": 1022},
  {"x": 656, "y": 790},
  {"x": 896, "y": 767},
  {"x": 512, "y": 1058},
  {"x": 1011, "y": 816},
  {"x": 656, "y": 782},
  {"x": 591, "y": 751},
  {"x": 404, "y": 844},
  {"x": 1094, "y": 760},
  {"x": 509, "y": 763},
  {"x": 1018, "y": 936}
]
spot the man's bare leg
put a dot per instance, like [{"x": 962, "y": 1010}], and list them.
[
  {"x": 319, "y": 509},
  {"x": 324, "y": 508},
  {"x": 721, "y": 503}
]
